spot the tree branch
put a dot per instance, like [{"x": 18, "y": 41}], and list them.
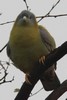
[
  {"x": 60, "y": 15},
  {"x": 7, "y": 22},
  {"x": 4, "y": 47},
  {"x": 55, "y": 16},
  {"x": 3, "y": 79},
  {"x": 36, "y": 92},
  {"x": 54, "y": 56},
  {"x": 26, "y": 4},
  {"x": 58, "y": 92},
  {"x": 50, "y": 10},
  {"x": 41, "y": 17}
]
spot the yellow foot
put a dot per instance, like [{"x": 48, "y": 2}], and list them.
[
  {"x": 26, "y": 78},
  {"x": 42, "y": 59}
]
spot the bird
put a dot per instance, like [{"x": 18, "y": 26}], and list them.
[{"x": 30, "y": 42}]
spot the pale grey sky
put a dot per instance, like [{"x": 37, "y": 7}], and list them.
[{"x": 56, "y": 26}]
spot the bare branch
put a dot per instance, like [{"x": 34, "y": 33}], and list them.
[
  {"x": 26, "y": 4},
  {"x": 36, "y": 92},
  {"x": 57, "y": 15},
  {"x": 41, "y": 17},
  {"x": 3, "y": 48},
  {"x": 7, "y": 22},
  {"x": 7, "y": 81},
  {"x": 60, "y": 15},
  {"x": 58, "y": 92},
  {"x": 50, "y": 10},
  {"x": 3, "y": 79}
]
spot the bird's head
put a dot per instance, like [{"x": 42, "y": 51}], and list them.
[{"x": 26, "y": 18}]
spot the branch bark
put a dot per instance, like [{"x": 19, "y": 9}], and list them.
[
  {"x": 58, "y": 92},
  {"x": 54, "y": 56}
]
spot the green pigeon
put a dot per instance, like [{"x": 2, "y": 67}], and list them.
[{"x": 28, "y": 43}]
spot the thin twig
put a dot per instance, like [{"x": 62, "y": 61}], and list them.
[
  {"x": 26, "y": 4},
  {"x": 7, "y": 81},
  {"x": 3, "y": 48},
  {"x": 57, "y": 15},
  {"x": 36, "y": 92},
  {"x": 60, "y": 15},
  {"x": 3, "y": 79},
  {"x": 50, "y": 10},
  {"x": 7, "y": 22},
  {"x": 41, "y": 17}
]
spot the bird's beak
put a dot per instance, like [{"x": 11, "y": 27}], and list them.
[{"x": 25, "y": 18}]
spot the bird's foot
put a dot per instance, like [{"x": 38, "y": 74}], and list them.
[
  {"x": 41, "y": 60},
  {"x": 27, "y": 79}
]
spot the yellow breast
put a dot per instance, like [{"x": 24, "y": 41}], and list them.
[{"x": 26, "y": 47}]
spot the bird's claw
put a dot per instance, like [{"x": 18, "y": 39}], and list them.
[
  {"x": 42, "y": 59},
  {"x": 26, "y": 79}
]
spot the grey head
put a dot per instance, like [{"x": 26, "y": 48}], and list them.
[{"x": 26, "y": 18}]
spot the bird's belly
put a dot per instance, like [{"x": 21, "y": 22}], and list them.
[
  {"x": 24, "y": 58},
  {"x": 26, "y": 51}
]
